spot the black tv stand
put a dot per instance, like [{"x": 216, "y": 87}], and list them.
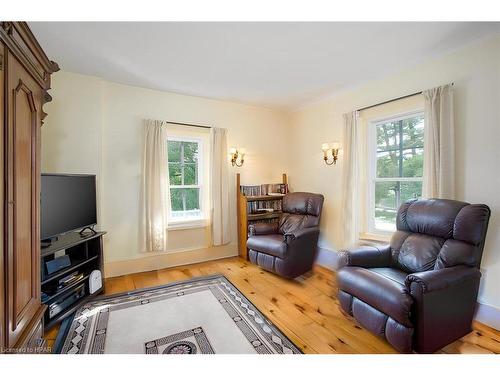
[
  {"x": 49, "y": 241},
  {"x": 84, "y": 229},
  {"x": 85, "y": 255}
]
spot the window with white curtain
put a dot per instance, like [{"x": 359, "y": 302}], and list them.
[
  {"x": 395, "y": 167},
  {"x": 185, "y": 166}
]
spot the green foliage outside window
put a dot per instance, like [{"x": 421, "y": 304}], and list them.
[
  {"x": 183, "y": 175},
  {"x": 400, "y": 146}
]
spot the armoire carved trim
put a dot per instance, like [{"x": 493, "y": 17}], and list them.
[{"x": 25, "y": 73}]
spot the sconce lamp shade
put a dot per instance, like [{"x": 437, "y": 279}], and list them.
[
  {"x": 237, "y": 155},
  {"x": 330, "y": 149}
]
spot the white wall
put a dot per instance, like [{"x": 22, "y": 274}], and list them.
[
  {"x": 94, "y": 126},
  {"x": 475, "y": 70}
]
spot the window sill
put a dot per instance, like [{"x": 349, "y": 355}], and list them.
[
  {"x": 187, "y": 224},
  {"x": 378, "y": 237}
]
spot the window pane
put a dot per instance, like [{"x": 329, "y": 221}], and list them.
[
  {"x": 413, "y": 132},
  {"x": 192, "y": 199},
  {"x": 190, "y": 152},
  {"x": 176, "y": 199},
  {"x": 400, "y": 148},
  {"x": 183, "y": 170},
  {"x": 388, "y": 197},
  {"x": 388, "y": 164},
  {"x": 411, "y": 190},
  {"x": 388, "y": 137},
  {"x": 174, "y": 151},
  {"x": 185, "y": 199},
  {"x": 174, "y": 173},
  {"x": 386, "y": 204},
  {"x": 413, "y": 162},
  {"x": 413, "y": 146},
  {"x": 190, "y": 174}
]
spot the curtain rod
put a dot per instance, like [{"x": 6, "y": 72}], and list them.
[
  {"x": 392, "y": 100},
  {"x": 186, "y": 124}
]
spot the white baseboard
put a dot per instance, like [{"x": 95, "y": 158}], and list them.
[
  {"x": 488, "y": 315},
  {"x": 167, "y": 260},
  {"x": 327, "y": 258},
  {"x": 485, "y": 314}
]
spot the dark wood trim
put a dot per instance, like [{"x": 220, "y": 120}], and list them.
[
  {"x": 31, "y": 328},
  {"x": 21, "y": 86},
  {"x": 21, "y": 42},
  {"x": 25, "y": 74},
  {"x": 2, "y": 195}
]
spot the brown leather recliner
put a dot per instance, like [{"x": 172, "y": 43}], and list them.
[
  {"x": 419, "y": 292},
  {"x": 288, "y": 248}
]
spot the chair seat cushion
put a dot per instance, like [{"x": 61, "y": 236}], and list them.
[
  {"x": 272, "y": 244},
  {"x": 381, "y": 288}
]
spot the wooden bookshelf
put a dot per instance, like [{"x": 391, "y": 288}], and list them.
[
  {"x": 259, "y": 198},
  {"x": 245, "y": 217}
]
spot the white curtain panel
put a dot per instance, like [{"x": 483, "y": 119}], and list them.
[
  {"x": 155, "y": 186},
  {"x": 221, "y": 233},
  {"x": 439, "y": 141},
  {"x": 352, "y": 160}
]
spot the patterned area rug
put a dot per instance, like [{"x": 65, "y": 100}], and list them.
[{"x": 199, "y": 316}]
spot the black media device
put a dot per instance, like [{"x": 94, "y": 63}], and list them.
[
  {"x": 66, "y": 300},
  {"x": 68, "y": 203},
  {"x": 57, "y": 264}
]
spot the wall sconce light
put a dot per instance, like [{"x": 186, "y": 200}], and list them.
[
  {"x": 333, "y": 148},
  {"x": 237, "y": 155}
]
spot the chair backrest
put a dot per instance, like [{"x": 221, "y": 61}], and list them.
[
  {"x": 439, "y": 233},
  {"x": 300, "y": 210}
]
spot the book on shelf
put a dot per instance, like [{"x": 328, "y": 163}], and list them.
[
  {"x": 264, "y": 189},
  {"x": 263, "y": 210},
  {"x": 258, "y": 204},
  {"x": 268, "y": 206},
  {"x": 254, "y": 190}
]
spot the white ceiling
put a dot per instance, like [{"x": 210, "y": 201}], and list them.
[{"x": 274, "y": 64}]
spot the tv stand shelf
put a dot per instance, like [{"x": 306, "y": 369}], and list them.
[
  {"x": 65, "y": 271},
  {"x": 69, "y": 240},
  {"x": 65, "y": 289},
  {"x": 85, "y": 255}
]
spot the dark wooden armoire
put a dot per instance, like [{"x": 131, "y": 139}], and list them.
[{"x": 24, "y": 81}]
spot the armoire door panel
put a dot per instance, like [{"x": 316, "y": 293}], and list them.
[
  {"x": 24, "y": 102},
  {"x": 2, "y": 196},
  {"x": 24, "y": 127}
]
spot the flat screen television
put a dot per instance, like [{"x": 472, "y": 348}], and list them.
[{"x": 68, "y": 203}]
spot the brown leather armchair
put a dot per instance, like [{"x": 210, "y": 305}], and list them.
[
  {"x": 419, "y": 292},
  {"x": 288, "y": 248}
]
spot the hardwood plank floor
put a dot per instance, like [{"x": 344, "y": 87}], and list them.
[{"x": 305, "y": 309}]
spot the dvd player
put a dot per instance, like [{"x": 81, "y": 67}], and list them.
[{"x": 66, "y": 300}]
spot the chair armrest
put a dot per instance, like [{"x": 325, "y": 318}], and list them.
[
  {"x": 262, "y": 228},
  {"x": 301, "y": 233},
  {"x": 366, "y": 256},
  {"x": 445, "y": 301},
  {"x": 430, "y": 281}
]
